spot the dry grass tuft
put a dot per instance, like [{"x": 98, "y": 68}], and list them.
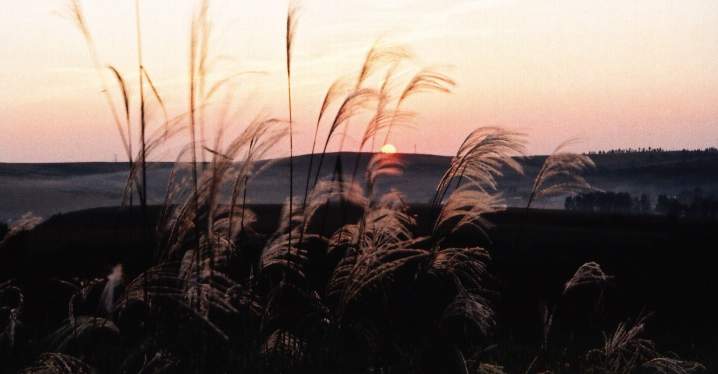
[
  {"x": 356, "y": 102},
  {"x": 326, "y": 192},
  {"x": 587, "y": 274},
  {"x": 26, "y": 222},
  {"x": 337, "y": 89},
  {"x": 381, "y": 54},
  {"x": 300, "y": 298},
  {"x": 481, "y": 158},
  {"x": 560, "y": 174},
  {"x": 625, "y": 351},
  {"x": 13, "y": 311},
  {"x": 426, "y": 80},
  {"x": 486, "y": 368},
  {"x": 58, "y": 363},
  {"x": 76, "y": 15},
  {"x": 473, "y": 310},
  {"x": 665, "y": 365},
  {"x": 466, "y": 207}
]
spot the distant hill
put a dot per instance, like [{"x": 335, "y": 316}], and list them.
[{"x": 50, "y": 188}]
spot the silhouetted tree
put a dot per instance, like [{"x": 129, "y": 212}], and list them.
[{"x": 602, "y": 202}]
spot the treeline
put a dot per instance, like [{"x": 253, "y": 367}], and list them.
[
  {"x": 652, "y": 150},
  {"x": 692, "y": 204}
]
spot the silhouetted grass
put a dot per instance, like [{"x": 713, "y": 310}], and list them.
[{"x": 361, "y": 294}]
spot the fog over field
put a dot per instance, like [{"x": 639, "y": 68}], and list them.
[{"x": 47, "y": 189}]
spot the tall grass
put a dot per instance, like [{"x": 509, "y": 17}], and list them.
[
  {"x": 426, "y": 80},
  {"x": 143, "y": 118},
  {"x": 352, "y": 105},
  {"x": 626, "y": 351},
  {"x": 334, "y": 92},
  {"x": 379, "y": 56},
  {"x": 561, "y": 173},
  {"x": 76, "y": 15},
  {"x": 364, "y": 293},
  {"x": 480, "y": 159},
  {"x": 588, "y": 275},
  {"x": 289, "y": 39}
]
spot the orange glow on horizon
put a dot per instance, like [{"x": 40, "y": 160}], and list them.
[{"x": 648, "y": 77}]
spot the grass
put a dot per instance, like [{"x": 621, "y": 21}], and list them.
[
  {"x": 289, "y": 38},
  {"x": 367, "y": 296}
]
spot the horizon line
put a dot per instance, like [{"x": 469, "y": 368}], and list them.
[{"x": 592, "y": 152}]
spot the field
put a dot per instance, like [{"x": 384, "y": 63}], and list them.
[
  {"x": 47, "y": 189},
  {"x": 658, "y": 264}
]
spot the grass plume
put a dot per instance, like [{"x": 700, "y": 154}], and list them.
[
  {"x": 77, "y": 16},
  {"x": 561, "y": 173},
  {"x": 289, "y": 39},
  {"x": 370, "y": 286}
]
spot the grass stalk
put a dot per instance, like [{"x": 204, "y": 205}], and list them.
[
  {"x": 289, "y": 39},
  {"x": 143, "y": 117}
]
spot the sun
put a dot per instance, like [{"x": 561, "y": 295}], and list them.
[{"x": 388, "y": 148}]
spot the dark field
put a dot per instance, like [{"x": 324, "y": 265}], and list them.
[{"x": 661, "y": 266}]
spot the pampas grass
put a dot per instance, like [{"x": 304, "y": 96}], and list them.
[
  {"x": 143, "y": 117},
  {"x": 473, "y": 310},
  {"x": 665, "y": 365},
  {"x": 353, "y": 104},
  {"x": 379, "y": 55},
  {"x": 625, "y": 351},
  {"x": 220, "y": 297},
  {"x": 26, "y": 222},
  {"x": 77, "y": 16},
  {"x": 481, "y": 158},
  {"x": 14, "y": 311},
  {"x": 426, "y": 80},
  {"x": 561, "y": 174},
  {"x": 126, "y": 101},
  {"x": 158, "y": 98},
  {"x": 382, "y": 165},
  {"x": 289, "y": 38},
  {"x": 466, "y": 206},
  {"x": 589, "y": 274},
  {"x": 334, "y": 92},
  {"x": 58, "y": 363},
  {"x": 84, "y": 328}
]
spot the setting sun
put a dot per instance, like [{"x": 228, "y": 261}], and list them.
[{"x": 388, "y": 148}]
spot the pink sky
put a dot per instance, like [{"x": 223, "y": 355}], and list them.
[{"x": 615, "y": 73}]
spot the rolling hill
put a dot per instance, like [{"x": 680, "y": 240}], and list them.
[{"x": 47, "y": 189}]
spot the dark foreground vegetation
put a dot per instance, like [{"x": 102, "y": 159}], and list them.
[{"x": 658, "y": 283}]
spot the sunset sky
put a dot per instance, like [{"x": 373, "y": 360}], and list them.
[{"x": 614, "y": 73}]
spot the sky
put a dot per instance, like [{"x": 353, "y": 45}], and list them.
[{"x": 613, "y": 73}]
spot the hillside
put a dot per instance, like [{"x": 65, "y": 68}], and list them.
[{"x": 47, "y": 189}]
